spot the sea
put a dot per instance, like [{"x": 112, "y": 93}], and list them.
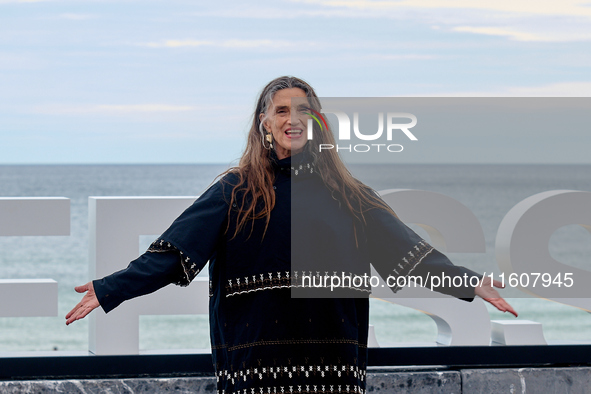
[{"x": 489, "y": 191}]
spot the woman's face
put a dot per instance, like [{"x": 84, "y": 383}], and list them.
[{"x": 287, "y": 125}]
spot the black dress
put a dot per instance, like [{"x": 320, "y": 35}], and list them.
[{"x": 264, "y": 339}]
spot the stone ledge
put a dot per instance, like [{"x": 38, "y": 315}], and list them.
[
  {"x": 415, "y": 382},
  {"x": 419, "y": 381},
  {"x": 408, "y": 382},
  {"x": 527, "y": 380},
  {"x": 187, "y": 385}
]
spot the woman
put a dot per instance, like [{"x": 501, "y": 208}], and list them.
[{"x": 285, "y": 204}]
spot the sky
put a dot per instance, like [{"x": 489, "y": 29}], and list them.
[{"x": 176, "y": 81}]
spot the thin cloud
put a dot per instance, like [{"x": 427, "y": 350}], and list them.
[
  {"x": 497, "y": 31},
  {"x": 144, "y": 108},
  {"x": 523, "y": 20},
  {"x": 109, "y": 109},
  {"x": 77, "y": 17},
  {"x": 253, "y": 11},
  {"x": 22, "y": 1},
  {"x": 255, "y": 44},
  {"x": 20, "y": 61},
  {"x": 562, "y": 89},
  {"x": 535, "y": 35},
  {"x": 178, "y": 43},
  {"x": 532, "y": 7},
  {"x": 409, "y": 56},
  {"x": 234, "y": 43}
]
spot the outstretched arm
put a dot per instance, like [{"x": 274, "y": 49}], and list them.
[
  {"x": 183, "y": 251},
  {"x": 146, "y": 274},
  {"x": 88, "y": 303},
  {"x": 399, "y": 251},
  {"x": 436, "y": 263}
]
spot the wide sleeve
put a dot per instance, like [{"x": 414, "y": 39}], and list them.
[
  {"x": 398, "y": 253},
  {"x": 177, "y": 256}
]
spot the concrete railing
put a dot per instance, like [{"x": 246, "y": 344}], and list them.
[{"x": 575, "y": 380}]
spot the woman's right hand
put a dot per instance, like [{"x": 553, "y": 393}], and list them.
[{"x": 88, "y": 303}]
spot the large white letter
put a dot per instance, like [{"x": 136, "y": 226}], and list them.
[
  {"x": 522, "y": 244},
  {"x": 27, "y": 217},
  {"x": 452, "y": 227},
  {"x": 115, "y": 224}
]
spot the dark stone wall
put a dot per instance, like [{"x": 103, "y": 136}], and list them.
[{"x": 439, "y": 380}]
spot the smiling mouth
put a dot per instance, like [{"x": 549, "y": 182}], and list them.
[{"x": 294, "y": 132}]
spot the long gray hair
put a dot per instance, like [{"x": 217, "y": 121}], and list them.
[{"x": 256, "y": 174}]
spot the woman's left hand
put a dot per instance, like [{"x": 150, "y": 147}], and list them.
[{"x": 486, "y": 291}]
